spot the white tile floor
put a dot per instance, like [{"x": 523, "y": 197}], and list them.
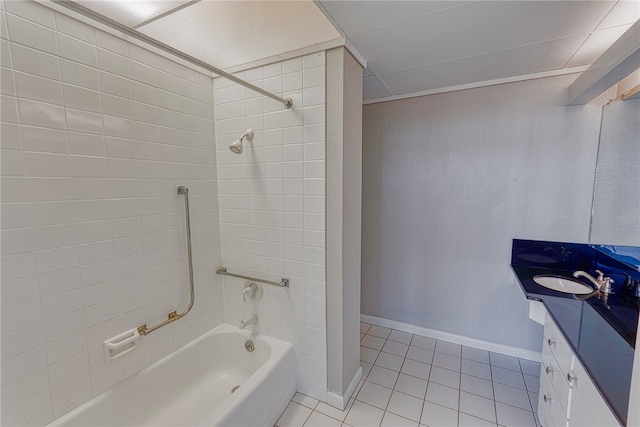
[{"x": 411, "y": 380}]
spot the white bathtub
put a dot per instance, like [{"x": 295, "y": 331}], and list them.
[{"x": 192, "y": 387}]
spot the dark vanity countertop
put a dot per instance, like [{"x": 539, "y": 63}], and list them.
[
  {"x": 620, "y": 312},
  {"x": 601, "y": 335}
]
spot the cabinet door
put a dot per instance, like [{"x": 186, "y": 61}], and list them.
[
  {"x": 588, "y": 408},
  {"x": 550, "y": 411}
]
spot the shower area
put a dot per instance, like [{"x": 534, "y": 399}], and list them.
[
  {"x": 98, "y": 131},
  {"x": 271, "y": 188}
]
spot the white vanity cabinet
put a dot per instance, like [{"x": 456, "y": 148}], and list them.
[
  {"x": 589, "y": 408},
  {"x": 568, "y": 397}
]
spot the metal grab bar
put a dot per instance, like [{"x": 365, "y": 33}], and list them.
[
  {"x": 174, "y": 315},
  {"x": 283, "y": 283}
]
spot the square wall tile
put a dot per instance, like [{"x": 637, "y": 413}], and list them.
[{"x": 91, "y": 227}]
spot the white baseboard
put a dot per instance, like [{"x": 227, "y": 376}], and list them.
[
  {"x": 340, "y": 401},
  {"x": 521, "y": 353}
]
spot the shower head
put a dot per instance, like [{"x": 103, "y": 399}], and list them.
[{"x": 236, "y": 146}]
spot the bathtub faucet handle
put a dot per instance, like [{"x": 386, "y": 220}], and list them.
[{"x": 250, "y": 290}]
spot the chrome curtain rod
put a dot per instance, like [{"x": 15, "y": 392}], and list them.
[
  {"x": 283, "y": 283},
  {"x": 72, "y": 5}
]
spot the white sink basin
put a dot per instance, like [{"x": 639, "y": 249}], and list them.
[{"x": 563, "y": 284}]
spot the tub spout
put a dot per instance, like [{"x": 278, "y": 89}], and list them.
[{"x": 251, "y": 320}]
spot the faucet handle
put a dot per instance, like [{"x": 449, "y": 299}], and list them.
[
  {"x": 606, "y": 285},
  {"x": 250, "y": 290},
  {"x": 600, "y": 276}
]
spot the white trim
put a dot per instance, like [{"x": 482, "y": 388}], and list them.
[
  {"x": 476, "y": 85},
  {"x": 355, "y": 53},
  {"x": 330, "y": 44},
  {"x": 340, "y": 401},
  {"x": 632, "y": 94},
  {"x": 616, "y": 63},
  {"x": 350, "y": 47},
  {"x": 521, "y": 353},
  {"x": 329, "y": 17}
]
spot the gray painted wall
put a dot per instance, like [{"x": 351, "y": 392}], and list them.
[{"x": 449, "y": 180}]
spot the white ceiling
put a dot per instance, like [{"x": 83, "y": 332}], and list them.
[
  {"x": 230, "y": 33},
  {"x": 421, "y": 46},
  {"x": 224, "y": 34},
  {"x": 410, "y": 46},
  {"x": 132, "y": 12}
]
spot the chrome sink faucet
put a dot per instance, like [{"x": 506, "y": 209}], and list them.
[{"x": 602, "y": 284}]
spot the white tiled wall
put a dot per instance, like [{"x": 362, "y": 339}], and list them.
[
  {"x": 96, "y": 135},
  {"x": 272, "y": 205}
]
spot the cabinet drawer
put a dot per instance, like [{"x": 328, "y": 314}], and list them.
[
  {"x": 544, "y": 414},
  {"x": 555, "y": 341},
  {"x": 548, "y": 401},
  {"x": 557, "y": 378}
]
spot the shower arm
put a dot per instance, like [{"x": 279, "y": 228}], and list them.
[
  {"x": 83, "y": 10},
  {"x": 174, "y": 315}
]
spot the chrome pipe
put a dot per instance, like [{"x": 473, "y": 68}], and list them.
[
  {"x": 83, "y": 10},
  {"x": 174, "y": 315},
  {"x": 283, "y": 283}
]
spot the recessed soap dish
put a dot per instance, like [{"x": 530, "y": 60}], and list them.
[{"x": 121, "y": 344}]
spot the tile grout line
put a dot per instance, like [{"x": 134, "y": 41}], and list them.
[
  {"x": 387, "y": 405},
  {"x": 460, "y": 386},
  {"x": 424, "y": 400},
  {"x": 398, "y": 378},
  {"x": 493, "y": 391},
  {"x": 491, "y": 368},
  {"x": 527, "y": 388}
]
